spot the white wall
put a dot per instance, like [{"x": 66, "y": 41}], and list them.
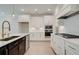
[
  {"x": 14, "y": 25},
  {"x": 72, "y": 25},
  {"x": 12, "y": 20}
]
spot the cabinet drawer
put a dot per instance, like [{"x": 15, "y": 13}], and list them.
[
  {"x": 72, "y": 48},
  {"x": 13, "y": 44},
  {"x": 22, "y": 39},
  {"x": 69, "y": 52}
]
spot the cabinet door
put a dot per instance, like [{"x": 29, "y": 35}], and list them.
[
  {"x": 59, "y": 45},
  {"x": 13, "y": 48},
  {"x": 14, "y": 51},
  {"x": 52, "y": 37},
  {"x": 4, "y": 51},
  {"x": 22, "y": 46},
  {"x": 71, "y": 49},
  {"x": 55, "y": 44}
]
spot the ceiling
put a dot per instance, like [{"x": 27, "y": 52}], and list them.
[{"x": 28, "y": 9}]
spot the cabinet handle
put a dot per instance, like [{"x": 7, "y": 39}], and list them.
[{"x": 72, "y": 48}]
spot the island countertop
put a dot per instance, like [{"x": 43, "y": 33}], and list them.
[{"x": 3, "y": 43}]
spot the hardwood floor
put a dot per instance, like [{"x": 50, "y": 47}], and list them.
[{"x": 39, "y": 48}]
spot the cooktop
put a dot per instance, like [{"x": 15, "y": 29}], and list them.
[{"x": 65, "y": 35}]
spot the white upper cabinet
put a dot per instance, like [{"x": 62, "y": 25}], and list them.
[
  {"x": 66, "y": 10},
  {"x": 23, "y": 18},
  {"x": 48, "y": 20}
]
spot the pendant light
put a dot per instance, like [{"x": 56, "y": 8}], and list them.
[{"x": 13, "y": 12}]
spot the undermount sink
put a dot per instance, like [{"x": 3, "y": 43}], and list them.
[{"x": 9, "y": 38}]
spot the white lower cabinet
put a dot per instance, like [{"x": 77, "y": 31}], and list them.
[
  {"x": 52, "y": 37},
  {"x": 58, "y": 45},
  {"x": 37, "y": 36},
  {"x": 71, "y": 49},
  {"x": 62, "y": 46}
]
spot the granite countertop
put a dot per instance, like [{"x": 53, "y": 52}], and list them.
[{"x": 3, "y": 43}]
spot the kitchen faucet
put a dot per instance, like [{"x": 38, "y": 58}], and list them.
[{"x": 4, "y": 28}]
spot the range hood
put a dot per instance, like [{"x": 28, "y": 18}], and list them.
[
  {"x": 69, "y": 14},
  {"x": 68, "y": 11}
]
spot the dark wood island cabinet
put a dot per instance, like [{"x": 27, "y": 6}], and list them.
[
  {"x": 4, "y": 50},
  {"x": 13, "y": 48},
  {"x": 22, "y": 46},
  {"x": 17, "y": 47}
]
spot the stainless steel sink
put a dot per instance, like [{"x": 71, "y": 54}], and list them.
[{"x": 9, "y": 38}]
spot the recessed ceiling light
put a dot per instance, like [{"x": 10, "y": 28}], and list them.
[
  {"x": 36, "y": 9},
  {"x": 49, "y": 9},
  {"x": 22, "y": 9},
  {"x": 13, "y": 15}
]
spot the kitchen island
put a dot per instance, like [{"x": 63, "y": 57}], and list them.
[{"x": 15, "y": 46}]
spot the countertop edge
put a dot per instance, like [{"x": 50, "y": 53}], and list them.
[{"x": 4, "y": 43}]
